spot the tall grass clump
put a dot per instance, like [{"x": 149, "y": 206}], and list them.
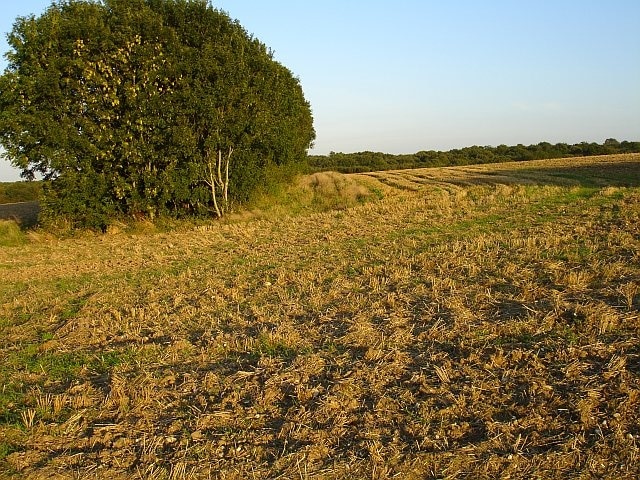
[
  {"x": 10, "y": 234},
  {"x": 318, "y": 192}
]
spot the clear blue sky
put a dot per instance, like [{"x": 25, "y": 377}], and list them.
[{"x": 407, "y": 75}]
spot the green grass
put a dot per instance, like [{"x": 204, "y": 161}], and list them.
[
  {"x": 60, "y": 366},
  {"x": 11, "y": 235},
  {"x": 55, "y": 366},
  {"x": 6, "y": 448},
  {"x": 271, "y": 347},
  {"x": 48, "y": 369}
]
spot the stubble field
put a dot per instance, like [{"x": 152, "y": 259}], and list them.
[{"x": 476, "y": 322}]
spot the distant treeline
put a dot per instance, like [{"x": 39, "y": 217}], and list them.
[
  {"x": 13, "y": 192},
  {"x": 372, "y": 161}
]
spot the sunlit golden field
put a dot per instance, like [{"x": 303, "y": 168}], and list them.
[{"x": 472, "y": 322}]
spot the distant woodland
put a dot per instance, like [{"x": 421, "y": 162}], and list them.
[
  {"x": 12, "y": 192},
  {"x": 372, "y": 161}
]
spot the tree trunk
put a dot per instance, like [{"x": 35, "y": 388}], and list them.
[
  {"x": 219, "y": 165},
  {"x": 216, "y": 179},
  {"x": 212, "y": 184},
  {"x": 226, "y": 176}
]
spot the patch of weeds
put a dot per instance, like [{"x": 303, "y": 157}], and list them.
[
  {"x": 240, "y": 261},
  {"x": 417, "y": 231},
  {"x": 55, "y": 365},
  {"x": 572, "y": 195},
  {"x": 46, "y": 336},
  {"x": 569, "y": 335},
  {"x": 63, "y": 366},
  {"x": 73, "y": 307},
  {"x": 15, "y": 320},
  {"x": 378, "y": 193},
  {"x": 524, "y": 339},
  {"x": 10, "y": 398},
  {"x": 613, "y": 195},
  {"x": 271, "y": 347},
  {"x": 6, "y": 449},
  {"x": 14, "y": 289},
  {"x": 352, "y": 272},
  {"x": 577, "y": 253},
  {"x": 483, "y": 224},
  {"x": 73, "y": 284},
  {"x": 104, "y": 362},
  {"x": 582, "y": 253},
  {"x": 333, "y": 348},
  {"x": 482, "y": 333}
]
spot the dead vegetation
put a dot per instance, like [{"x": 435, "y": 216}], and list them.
[{"x": 454, "y": 329}]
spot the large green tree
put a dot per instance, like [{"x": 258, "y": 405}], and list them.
[{"x": 146, "y": 108}]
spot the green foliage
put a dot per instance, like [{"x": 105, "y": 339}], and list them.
[
  {"x": 143, "y": 108},
  {"x": 12, "y": 192},
  {"x": 81, "y": 198},
  {"x": 374, "y": 161}
]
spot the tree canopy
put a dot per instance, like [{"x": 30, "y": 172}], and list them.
[{"x": 146, "y": 108}]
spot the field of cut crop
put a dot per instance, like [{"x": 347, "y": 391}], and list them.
[{"x": 474, "y": 322}]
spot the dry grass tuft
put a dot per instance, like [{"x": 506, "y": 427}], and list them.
[{"x": 11, "y": 235}]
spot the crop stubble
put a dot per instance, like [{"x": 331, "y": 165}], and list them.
[{"x": 459, "y": 328}]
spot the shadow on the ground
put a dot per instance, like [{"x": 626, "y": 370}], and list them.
[
  {"x": 25, "y": 213},
  {"x": 623, "y": 174},
  {"x": 595, "y": 175}
]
